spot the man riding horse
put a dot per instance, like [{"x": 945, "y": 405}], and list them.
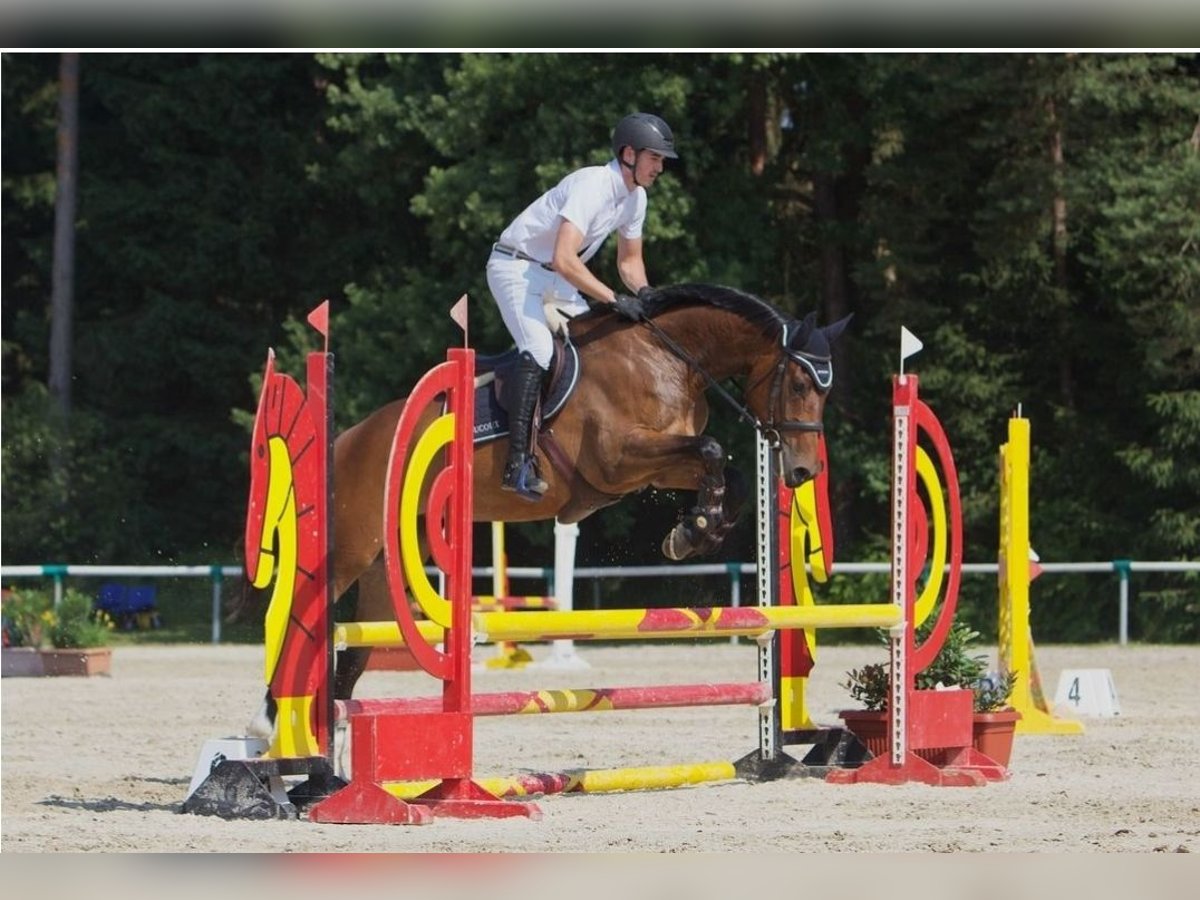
[
  {"x": 639, "y": 406},
  {"x": 543, "y": 253}
]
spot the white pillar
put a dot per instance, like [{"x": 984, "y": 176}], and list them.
[{"x": 562, "y": 652}]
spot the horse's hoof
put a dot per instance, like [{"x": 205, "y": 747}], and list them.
[{"x": 676, "y": 546}]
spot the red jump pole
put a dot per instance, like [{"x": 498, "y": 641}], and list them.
[{"x": 572, "y": 700}]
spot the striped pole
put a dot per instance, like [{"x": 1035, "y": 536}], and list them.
[
  {"x": 570, "y": 700},
  {"x": 587, "y": 781},
  {"x": 635, "y": 624}
]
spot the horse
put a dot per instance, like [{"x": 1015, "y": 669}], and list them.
[{"x": 635, "y": 419}]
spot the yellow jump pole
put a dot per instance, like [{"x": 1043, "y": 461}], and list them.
[
  {"x": 635, "y": 624},
  {"x": 587, "y": 781},
  {"x": 1015, "y": 562}
]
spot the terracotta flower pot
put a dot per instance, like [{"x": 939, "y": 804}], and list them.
[
  {"x": 993, "y": 734},
  {"x": 78, "y": 661},
  {"x": 870, "y": 726}
]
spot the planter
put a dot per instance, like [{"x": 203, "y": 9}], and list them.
[
  {"x": 78, "y": 661},
  {"x": 870, "y": 726},
  {"x": 993, "y": 734},
  {"x": 22, "y": 662}
]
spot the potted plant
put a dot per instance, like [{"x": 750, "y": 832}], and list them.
[
  {"x": 79, "y": 638},
  {"x": 26, "y": 616},
  {"x": 954, "y": 666}
]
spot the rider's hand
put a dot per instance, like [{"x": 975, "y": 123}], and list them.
[
  {"x": 644, "y": 293},
  {"x": 629, "y": 307}
]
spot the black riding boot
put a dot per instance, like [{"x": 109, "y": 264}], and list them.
[{"x": 520, "y": 473}]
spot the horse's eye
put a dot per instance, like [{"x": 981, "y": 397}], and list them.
[{"x": 801, "y": 387}]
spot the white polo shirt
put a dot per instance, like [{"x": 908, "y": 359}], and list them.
[{"x": 593, "y": 199}]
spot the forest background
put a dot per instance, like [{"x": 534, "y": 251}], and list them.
[{"x": 1033, "y": 217}]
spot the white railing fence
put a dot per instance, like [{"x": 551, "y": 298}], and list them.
[{"x": 1122, "y": 568}]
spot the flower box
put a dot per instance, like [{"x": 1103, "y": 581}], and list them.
[
  {"x": 991, "y": 733},
  {"x": 83, "y": 661},
  {"x": 21, "y": 662}
]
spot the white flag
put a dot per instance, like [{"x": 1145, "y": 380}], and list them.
[
  {"x": 459, "y": 314},
  {"x": 909, "y": 344}
]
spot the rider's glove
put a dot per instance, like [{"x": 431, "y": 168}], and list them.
[{"x": 629, "y": 307}]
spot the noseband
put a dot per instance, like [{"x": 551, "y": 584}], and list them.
[{"x": 821, "y": 371}]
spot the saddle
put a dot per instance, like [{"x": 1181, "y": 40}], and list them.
[{"x": 493, "y": 374}]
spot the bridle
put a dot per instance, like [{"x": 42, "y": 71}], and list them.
[{"x": 820, "y": 368}]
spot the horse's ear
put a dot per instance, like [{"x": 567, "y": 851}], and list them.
[
  {"x": 834, "y": 331},
  {"x": 799, "y": 338}
]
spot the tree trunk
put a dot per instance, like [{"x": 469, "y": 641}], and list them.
[
  {"x": 1058, "y": 249},
  {"x": 757, "y": 123},
  {"x": 837, "y": 203},
  {"x": 63, "y": 276}
]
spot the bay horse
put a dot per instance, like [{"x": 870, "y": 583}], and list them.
[{"x": 636, "y": 419}]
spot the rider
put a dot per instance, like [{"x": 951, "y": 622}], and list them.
[{"x": 543, "y": 253}]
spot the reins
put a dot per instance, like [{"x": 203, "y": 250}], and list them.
[{"x": 769, "y": 430}]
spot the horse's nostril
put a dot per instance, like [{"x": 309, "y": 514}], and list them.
[{"x": 797, "y": 477}]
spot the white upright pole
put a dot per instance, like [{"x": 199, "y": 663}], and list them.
[
  {"x": 769, "y": 721},
  {"x": 562, "y": 652},
  {"x": 499, "y": 564}
]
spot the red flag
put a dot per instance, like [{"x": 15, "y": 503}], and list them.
[
  {"x": 1035, "y": 568},
  {"x": 459, "y": 314},
  {"x": 319, "y": 319}
]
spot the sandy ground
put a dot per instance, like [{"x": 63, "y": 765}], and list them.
[{"x": 102, "y": 764}]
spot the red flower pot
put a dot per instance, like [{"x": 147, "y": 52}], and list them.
[{"x": 993, "y": 734}]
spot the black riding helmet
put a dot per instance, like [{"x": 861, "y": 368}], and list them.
[{"x": 644, "y": 131}]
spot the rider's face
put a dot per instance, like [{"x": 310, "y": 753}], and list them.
[{"x": 648, "y": 167}]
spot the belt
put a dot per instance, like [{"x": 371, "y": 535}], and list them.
[{"x": 506, "y": 250}]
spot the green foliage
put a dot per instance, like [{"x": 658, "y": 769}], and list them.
[
  {"x": 954, "y": 666},
  {"x": 76, "y": 624},
  {"x": 51, "y": 473},
  {"x": 869, "y": 685},
  {"x": 27, "y": 615},
  {"x": 223, "y": 196}
]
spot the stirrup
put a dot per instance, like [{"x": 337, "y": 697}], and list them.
[{"x": 527, "y": 483}]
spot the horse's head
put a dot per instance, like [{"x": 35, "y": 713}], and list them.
[{"x": 788, "y": 392}]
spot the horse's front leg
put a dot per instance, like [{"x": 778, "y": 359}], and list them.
[
  {"x": 704, "y": 527},
  {"x": 684, "y": 462}
]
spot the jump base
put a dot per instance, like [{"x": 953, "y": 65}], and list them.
[
  {"x": 253, "y": 788},
  {"x": 961, "y": 767},
  {"x": 364, "y": 803}
]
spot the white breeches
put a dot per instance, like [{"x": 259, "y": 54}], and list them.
[{"x": 520, "y": 289}]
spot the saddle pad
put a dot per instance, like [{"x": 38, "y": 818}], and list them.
[{"x": 491, "y": 418}]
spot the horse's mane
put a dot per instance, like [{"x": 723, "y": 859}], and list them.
[{"x": 754, "y": 310}]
